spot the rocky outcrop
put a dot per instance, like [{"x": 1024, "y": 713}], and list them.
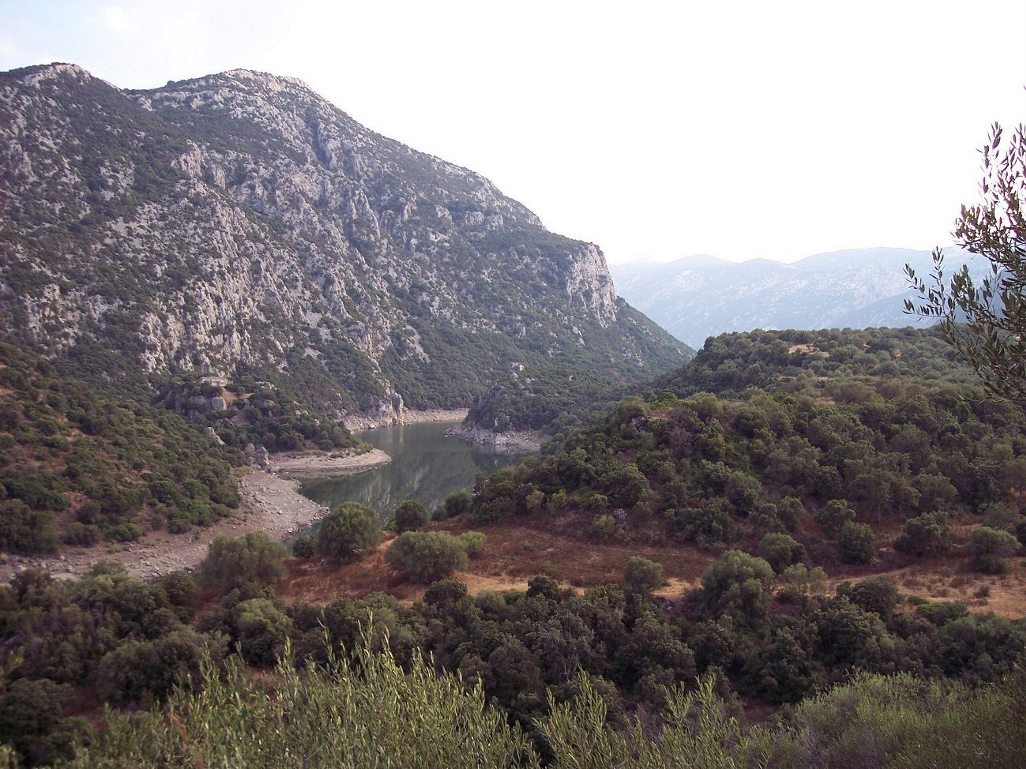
[{"x": 240, "y": 221}]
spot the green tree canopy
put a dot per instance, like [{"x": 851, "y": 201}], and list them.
[
  {"x": 347, "y": 530},
  {"x": 986, "y": 322}
]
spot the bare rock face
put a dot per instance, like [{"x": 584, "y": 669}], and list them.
[{"x": 240, "y": 221}]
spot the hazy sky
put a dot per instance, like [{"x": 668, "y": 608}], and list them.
[{"x": 655, "y": 129}]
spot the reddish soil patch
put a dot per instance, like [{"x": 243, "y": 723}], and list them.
[
  {"x": 518, "y": 548},
  {"x": 514, "y": 551}
]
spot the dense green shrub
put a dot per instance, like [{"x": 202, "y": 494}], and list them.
[
  {"x": 641, "y": 575},
  {"x": 32, "y": 722},
  {"x": 410, "y": 516},
  {"x": 304, "y": 546},
  {"x": 473, "y": 542},
  {"x": 856, "y": 543},
  {"x": 143, "y": 672},
  {"x": 737, "y": 584},
  {"x": 379, "y": 713},
  {"x": 455, "y": 504},
  {"x": 925, "y": 534},
  {"x": 426, "y": 556},
  {"x": 780, "y": 550},
  {"x": 348, "y": 530},
  {"x": 231, "y": 563},
  {"x": 990, "y": 547},
  {"x": 875, "y": 594},
  {"x": 24, "y": 530},
  {"x": 263, "y": 631},
  {"x": 834, "y": 515}
]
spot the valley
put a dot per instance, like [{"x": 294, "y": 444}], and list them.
[{"x": 319, "y": 450}]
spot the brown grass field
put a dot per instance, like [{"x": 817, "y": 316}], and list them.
[{"x": 517, "y": 549}]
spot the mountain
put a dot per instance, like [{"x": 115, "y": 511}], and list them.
[
  {"x": 702, "y": 296},
  {"x": 239, "y": 224}
]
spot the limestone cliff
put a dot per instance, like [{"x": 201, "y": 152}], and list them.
[{"x": 241, "y": 222}]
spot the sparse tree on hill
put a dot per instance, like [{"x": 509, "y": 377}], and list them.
[
  {"x": 410, "y": 516},
  {"x": 347, "y": 530},
  {"x": 231, "y": 563},
  {"x": 641, "y": 575}
]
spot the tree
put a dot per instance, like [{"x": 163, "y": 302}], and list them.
[
  {"x": 780, "y": 550},
  {"x": 986, "y": 323},
  {"x": 347, "y": 530},
  {"x": 641, "y": 575},
  {"x": 924, "y": 535},
  {"x": 737, "y": 584},
  {"x": 426, "y": 556},
  {"x": 231, "y": 563},
  {"x": 857, "y": 543},
  {"x": 990, "y": 547},
  {"x": 834, "y": 515},
  {"x": 410, "y": 516}
]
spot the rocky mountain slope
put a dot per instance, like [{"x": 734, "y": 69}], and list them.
[
  {"x": 702, "y": 296},
  {"x": 238, "y": 223}
]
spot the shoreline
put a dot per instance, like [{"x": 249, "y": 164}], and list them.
[
  {"x": 309, "y": 465},
  {"x": 271, "y": 503},
  {"x": 360, "y": 422},
  {"x": 512, "y": 442}
]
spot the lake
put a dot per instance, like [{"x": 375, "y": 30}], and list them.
[{"x": 426, "y": 466}]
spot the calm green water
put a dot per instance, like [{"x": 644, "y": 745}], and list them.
[{"x": 426, "y": 466}]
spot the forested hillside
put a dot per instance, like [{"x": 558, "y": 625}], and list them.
[
  {"x": 79, "y": 465},
  {"x": 821, "y": 467}
]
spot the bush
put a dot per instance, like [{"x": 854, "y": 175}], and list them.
[
  {"x": 737, "y": 584},
  {"x": 24, "y": 530},
  {"x": 856, "y": 543},
  {"x": 81, "y": 535},
  {"x": 780, "y": 551},
  {"x": 263, "y": 631},
  {"x": 31, "y": 720},
  {"x": 799, "y": 582},
  {"x": 410, "y": 516},
  {"x": 876, "y": 594},
  {"x": 455, "y": 504},
  {"x": 304, "y": 546},
  {"x": 146, "y": 671},
  {"x": 231, "y": 563},
  {"x": 363, "y": 710},
  {"x": 426, "y": 556},
  {"x": 473, "y": 542},
  {"x": 122, "y": 532},
  {"x": 641, "y": 575},
  {"x": 990, "y": 547},
  {"x": 603, "y": 526},
  {"x": 834, "y": 515},
  {"x": 347, "y": 530},
  {"x": 925, "y": 534}
]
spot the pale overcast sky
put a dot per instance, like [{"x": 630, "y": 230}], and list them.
[{"x": 655, "y": 129}]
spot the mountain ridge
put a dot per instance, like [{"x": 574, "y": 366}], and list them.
[
  {"x": 238, "y": 221},
  {"x": 702, "y": 296}
]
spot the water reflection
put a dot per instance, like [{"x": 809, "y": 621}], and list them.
[{"x": 425, "y": 466}]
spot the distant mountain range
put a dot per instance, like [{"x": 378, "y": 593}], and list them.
[{"x": 702, "y": 296}]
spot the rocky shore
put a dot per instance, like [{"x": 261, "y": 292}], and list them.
[
  {"x": 317, "y": 465},
  {"x": 270, "y": 503},
  {"x": 405, "y": 417},
  {"x": 514, "y": 442}
]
